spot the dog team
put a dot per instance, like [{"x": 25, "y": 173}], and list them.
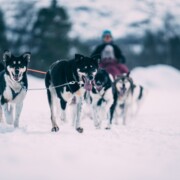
[
  {"x": 75, "y": 81},
  {"x": 101, "y": 80}
]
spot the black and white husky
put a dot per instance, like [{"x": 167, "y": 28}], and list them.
[
  {"x": 101, "y": 98},
  {"x": 127, "y": 95},
  {"x": 66, "y": 81},
  {"x": 13, "y": 86}
]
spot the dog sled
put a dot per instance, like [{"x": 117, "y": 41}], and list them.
[{"x": 113, "y": 67}]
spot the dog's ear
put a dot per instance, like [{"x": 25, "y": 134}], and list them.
[
  {"x": 27, "y": 56},
  {"x": 96, "y": 57},
  {"x": 6, "y": 55},
  {"x": 79, "y": 57},
  {"x": 128, "y": 74}
]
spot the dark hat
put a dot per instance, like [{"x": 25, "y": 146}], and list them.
[{"x": 106, "y": 32}]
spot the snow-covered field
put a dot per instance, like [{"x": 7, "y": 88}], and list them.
[{"x": 147, "y": 148}]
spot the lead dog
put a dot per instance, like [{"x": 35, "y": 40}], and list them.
[
  {"x": 13, "y": 86},
  {"x": 66, "y": 81}
]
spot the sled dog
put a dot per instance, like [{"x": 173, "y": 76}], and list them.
[
  {"x": 101, "y": 98},
  {"x": 66, "y": 81},
  {"x": 13, "y": 86},
  {"x": 127, "y": 95}
]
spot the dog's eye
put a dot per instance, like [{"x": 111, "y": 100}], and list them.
[
  {"x": 14, "y": 62},
  {"x": 92, "y": 68},
  {"x": 84, "y": 68}
]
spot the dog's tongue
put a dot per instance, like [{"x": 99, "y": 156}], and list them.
[
  {"x": 99, "y": 88},
  {"x": 88, "y": 85},
  {"x": 16, "y": 77}
]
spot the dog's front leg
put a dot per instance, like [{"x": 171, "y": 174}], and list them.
[
  {"x": 1, "y": 114},
  {"x": 55, "y": 127},
  {"x": 63, "y": 105},
  {"x": 18, "y": 109},
  {"x": 52, "y": 98},
  {"x": 78, "y": 113},
  {"x": 95, "y": 117},
  {"x": 116, "y": 116},
  {"x": 108, "y": 120},
  {"x": 124, "y": 114},
  {"x": 8, "y": 112},
  {"x": 109, "y": 109}
]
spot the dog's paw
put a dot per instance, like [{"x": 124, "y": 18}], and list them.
[
  {"x": 16, "y": 125},
  {"x": 9, "y": 121},
  {"x": 107, "y": 128},
  {"x": 98, "y": 126},
  {"x": 124, "y": 122},
  {"x": 55, "y": 129},
  {"x": 79, "y": 129}
]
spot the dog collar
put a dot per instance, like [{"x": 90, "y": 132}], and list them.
[{"x": 14, "y": 94}]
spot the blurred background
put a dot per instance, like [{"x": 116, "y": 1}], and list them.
[{"x": 147, "y": 31}]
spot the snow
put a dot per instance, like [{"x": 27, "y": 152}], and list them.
[
  {"x": 146, "y": 148},
  {"x": 159, "y": 76}
]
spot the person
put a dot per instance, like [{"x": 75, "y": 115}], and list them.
[{"x": 112, "y": 59}]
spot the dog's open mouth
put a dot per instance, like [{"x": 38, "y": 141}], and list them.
[
  {"x": 16, "y": 77},
  {"x": 87, "y": 83},
  {"x": 122, "y": 92},
  {"x": 99, "y": 87}
]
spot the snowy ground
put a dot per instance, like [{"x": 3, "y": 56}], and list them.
[{"x": 147, "y": 148}]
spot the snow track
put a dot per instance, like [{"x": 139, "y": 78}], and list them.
[{"x": 147, "y": 148}]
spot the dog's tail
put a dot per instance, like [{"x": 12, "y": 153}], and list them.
[
  {"x": 47, "y": 84},
  {"x": 140, "y": 92}
]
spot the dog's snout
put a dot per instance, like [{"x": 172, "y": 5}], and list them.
[
  {"x": 16, "y": 71},
  {"x": 98, "y": 83},
  {"x": 91, "y": 77},
  {"x": 123, "y": 88}
]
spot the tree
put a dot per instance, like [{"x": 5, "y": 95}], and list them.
[
  {"x": 3, "y": 39},
  {"x": 50, "y": 41},
  {"x": 23, "y": 16}
]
